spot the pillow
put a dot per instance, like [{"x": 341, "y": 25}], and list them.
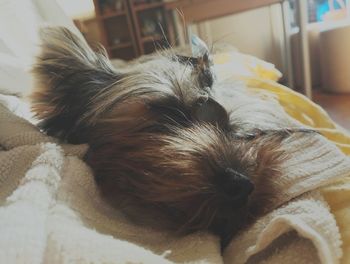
[
  {"x": 230, "y": 64},
  {"x": 19, "y": 24},
  {"x": 14, "y": 77}
]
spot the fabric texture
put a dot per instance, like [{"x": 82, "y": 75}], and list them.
[{"x": 338, "y": 199}]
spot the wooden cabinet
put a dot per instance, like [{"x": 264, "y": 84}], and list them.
[
  {"x": 116, "y": 28},
  {"x": 130, "y": 28}
]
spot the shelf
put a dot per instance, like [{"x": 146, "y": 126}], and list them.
[
  {"x": 114, "y": 14},
  {"x": 120, "y": 45},
  {"x": 142, "y": 7},
  {"x": 125, "y": 25},
  {"x": 151, "y": 38}
]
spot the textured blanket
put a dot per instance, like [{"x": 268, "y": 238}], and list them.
[{"x": 51, "y": 210}]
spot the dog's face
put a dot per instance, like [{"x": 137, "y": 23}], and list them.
[{"x": 159, "y": 141}]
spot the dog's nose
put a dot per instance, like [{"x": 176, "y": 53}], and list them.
[{"x": 238, "y": 186}]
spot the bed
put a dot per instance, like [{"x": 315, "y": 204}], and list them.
[{"x": 51, "y": 211}]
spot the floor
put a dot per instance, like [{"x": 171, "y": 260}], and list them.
[{"x": 337, "y": 106}]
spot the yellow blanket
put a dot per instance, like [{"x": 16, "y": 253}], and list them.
[{"x": 260, "y": 76}]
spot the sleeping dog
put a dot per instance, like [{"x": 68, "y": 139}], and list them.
[{"x": 162, "y": 146}]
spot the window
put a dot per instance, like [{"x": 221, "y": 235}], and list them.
[{"x": 325, "y": 10}]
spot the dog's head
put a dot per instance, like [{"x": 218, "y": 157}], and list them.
[{"x": 159, "y": 141}]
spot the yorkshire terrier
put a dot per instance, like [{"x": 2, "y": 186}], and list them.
[{"x": 161, "y": 144}]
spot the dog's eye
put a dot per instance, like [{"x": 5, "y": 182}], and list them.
[{"x": 210, "y": 111}]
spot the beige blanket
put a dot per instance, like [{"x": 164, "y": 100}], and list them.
[{"x": 51, "y": 211}]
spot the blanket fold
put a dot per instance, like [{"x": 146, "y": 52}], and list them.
[{"x": 308, "y": 215}]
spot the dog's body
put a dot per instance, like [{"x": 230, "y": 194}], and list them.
[{"x": 161, "y": 143}]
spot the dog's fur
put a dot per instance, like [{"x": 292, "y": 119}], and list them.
[{"x": 160, "y": 143}]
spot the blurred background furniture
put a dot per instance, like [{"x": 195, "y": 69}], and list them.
[
  {"x": 335, "y": 59},
  {"x": 130, "y": 28},
  {"x": 116, "y": 28},
  {"x": 267, "y": 29},
  {"x": 196, "y": 11},
  {"x": 328, "y": 49},
  {"x": 200, "y": 10},
  {"x": 302, "y": 18},
  {"x": 135, "y": 28}
]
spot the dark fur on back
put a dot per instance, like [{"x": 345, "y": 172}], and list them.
[
  {"x": 76, "y": 77},
  {"x": 160, "y": 144}
]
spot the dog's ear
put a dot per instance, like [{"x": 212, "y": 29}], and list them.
[
  {"x": 70, "y": 79},
  {"x": 204, "y": 62},
  {"x": 210, "y": 111}
]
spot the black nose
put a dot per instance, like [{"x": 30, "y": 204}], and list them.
[{"x": 237, "y": 185}]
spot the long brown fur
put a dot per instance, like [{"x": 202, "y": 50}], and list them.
[{"x": 160, "y": 144}]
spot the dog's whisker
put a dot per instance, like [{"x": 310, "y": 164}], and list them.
[{"x": 163, "y": 33}]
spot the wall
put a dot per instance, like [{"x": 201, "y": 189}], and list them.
[
  {"x": 257, "y": 32},
  {"x": 77, "y": 8}
]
